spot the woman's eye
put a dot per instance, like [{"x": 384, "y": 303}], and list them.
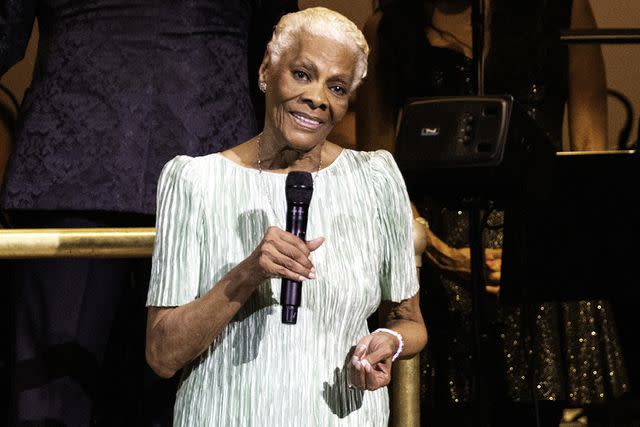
[
  {"x": 340, "y": 90},
  {"x": 300, "y": 75}
]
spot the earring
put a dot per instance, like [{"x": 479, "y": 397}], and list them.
[{"x": 262, "y": 86}]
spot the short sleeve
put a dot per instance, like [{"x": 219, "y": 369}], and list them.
[
  {"x": 175, "y": 266},
  {"x": 398, "y": 276}
]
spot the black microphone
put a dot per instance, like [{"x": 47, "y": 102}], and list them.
[{"x": 298, "y": 189}]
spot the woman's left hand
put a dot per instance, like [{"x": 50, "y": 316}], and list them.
[{"x": 370, "y": 366}]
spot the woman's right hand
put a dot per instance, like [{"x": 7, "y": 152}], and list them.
[{"x": 282, "y": 254}]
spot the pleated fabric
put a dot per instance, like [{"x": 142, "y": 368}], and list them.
[{"x": 212, "y": 213}]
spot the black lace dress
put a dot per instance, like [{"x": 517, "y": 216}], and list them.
[
  {"x": 572, "y": 353},
  {"x": 122, "y": 86}
]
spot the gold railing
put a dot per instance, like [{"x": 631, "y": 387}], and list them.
[
  {"x": 76, "y": 243},
  {"x": 138, "y": 243}
]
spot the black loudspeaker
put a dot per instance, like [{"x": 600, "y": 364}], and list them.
[{"x": 454, "y": 149}]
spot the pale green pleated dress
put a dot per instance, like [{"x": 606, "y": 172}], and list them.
[{"x": 212, "y": 213}]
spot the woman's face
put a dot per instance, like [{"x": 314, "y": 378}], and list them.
[{"x": 308, "y": 90}]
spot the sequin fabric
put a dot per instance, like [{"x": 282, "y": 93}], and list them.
[
  {"x": 260, "y": 372},
  {"x": 566, "y": 351}
]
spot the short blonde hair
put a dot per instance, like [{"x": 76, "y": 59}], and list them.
[{"x": 320, "y": 22}]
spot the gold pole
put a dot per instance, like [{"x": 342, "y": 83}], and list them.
[
  {"x": 76, "y": 243},
  {"x": 405, "y": 393}
]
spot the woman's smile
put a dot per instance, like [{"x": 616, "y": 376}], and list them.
[{"x": 306, "y": 121}]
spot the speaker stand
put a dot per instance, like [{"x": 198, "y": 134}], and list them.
[{"x": 483, "y": 374}]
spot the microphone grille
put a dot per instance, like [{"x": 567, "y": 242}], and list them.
[{"x": 299, "y": 187}]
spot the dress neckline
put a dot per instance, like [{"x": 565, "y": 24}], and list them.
[{"x": 266, "y": 172}]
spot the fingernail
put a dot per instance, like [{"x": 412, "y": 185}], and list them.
[
  {"x": 301, "y": 279},
  {"x": 366, "y": 365},
  {"x": 313, "y": 270},
  {"x": 355, "y": 362},
  {"x": 312, "y": 275},
  {"x": 362, "y": 348}
]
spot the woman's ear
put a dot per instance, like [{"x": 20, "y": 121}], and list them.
[{"x": 263, "y": 71}]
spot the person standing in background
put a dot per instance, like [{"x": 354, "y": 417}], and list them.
[
  {"x": 424, "y": 48},
  {"x": 120, "y": 87}
]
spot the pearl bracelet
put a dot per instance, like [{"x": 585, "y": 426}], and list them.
[{"x": 398, "y": 336}]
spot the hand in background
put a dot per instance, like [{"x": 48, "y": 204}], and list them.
[
  {"x": 493, "y": 269},
  {"x": 456, "y": 262}
]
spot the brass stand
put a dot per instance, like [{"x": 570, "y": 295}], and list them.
[{"x": 405, "y": 393}]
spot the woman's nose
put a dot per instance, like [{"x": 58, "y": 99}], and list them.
[{"x": 315, "y": 96}]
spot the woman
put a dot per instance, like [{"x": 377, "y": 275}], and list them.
[
  {"x": 221, "y": 253},
  {"x": 423, "y": 48}
]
